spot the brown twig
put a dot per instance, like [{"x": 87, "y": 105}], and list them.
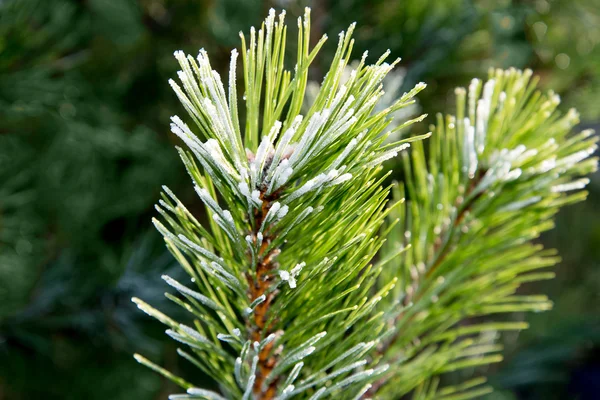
[{"x": 259, "y": 285}]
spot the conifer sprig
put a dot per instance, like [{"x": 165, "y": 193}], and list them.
[
  {"x": 494, "y": 175},
  {"x": 295, "y": 291},
  {"x": 277, "y": 279}
]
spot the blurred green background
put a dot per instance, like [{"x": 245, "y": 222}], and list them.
[{"x": 85, "y": 147}]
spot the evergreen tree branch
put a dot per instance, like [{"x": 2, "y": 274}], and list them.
[
  {"x": 287, "y": 302},
  {"x": 277, "y": 281},
  {"x": 497, "y": 173}
]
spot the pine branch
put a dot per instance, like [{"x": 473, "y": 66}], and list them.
[
  {"x": 497, "y": 173},
  {"x": 277, "y": 280},
  {"x": 287, "y": 302}
]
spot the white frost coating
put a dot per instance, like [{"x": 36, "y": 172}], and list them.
[
  {"x": 305, "y": 213},
  {"x": 280, "y": 176},
  {"x": 349, "y": 101},
  {"x": 282, "y": 212},
  {"x": 334, "y": 374},
  {"x": 340, "y": 159},
  {"x": 274, "y": 208},
  {"x": 226, "y": 223},
  {"x": 216, "y": 114},
  {"x": 237, "y": 371},
  {"x": 221, "y": 119},
  {"x": 274, "y": 132},
  {"x": 206, "y": 253},
  {"x": 502, "y": 97},
  {"x": 267, "y": 340},
  {"x": 483, "y": 115},
  {"x": 339, "y": 126},
  {"x": 296, "y": 270},
  {"x": 217, "y": 267},
  {"x": 258, "y": 300},
  {"x": 264, "y": 149},
  {"x": 332, "y": 174},
  {"x": 575, "y": 185},
  {"x": 185, "y": 290},
  {"x": 271, "y": 215},
  {"x": 207, "y": 394},
  {"x": 481, "y": 125},
  {"x": 473, "y": 86},
  {"x": 362, "y": 391},
  {"x": 228, "y": 338},
  {"x": 545, "y": 165},
  {"x": 228, "y": 216},
  {"x": 315, "y": 124},
  {"x": 297, "y": 356},
  {"x": 244, "y": 189},
  {"x": 250, "y": 383},
  {"x": 253, "y": 175},
  {"x": 184, "y": 100},
  {"x": 191, "y": 332},
  {"x": 574, "y": 158},
  {"x": 512, "y": 175},
  {"x": 420, "y": 86},
  {"x": 275, "y": 162},
  {"x": 342, "y": 178},
  {"x": 322, "y": 180},
  {"x": 338, "y": 97},
  {"x": 387, "y": 155},
  {"x": 288, "y": 389},
  {"x": 501, "y": 163},
  {"x": 179, "y": 127},
  {"x": 307, "y": 187},
  {"x": 488, "y": 90},
  {"x": 253, "y": 198},
  {"x": 292, "y": 377},
  {"x": 256, "y": 197},
  {"x": 528, "y": 154},
  {"x": 290, "y": 276},
  {"x": 469, "y": 153},
  {"x": 283, "y": 146},
  {"x": 517, "y": 205},
  {"x": 270, "y": 21},
  {"x": 208, "y": 200},
  {"x": 201, "y": 151},
  {"x": 232, "y": 78}
]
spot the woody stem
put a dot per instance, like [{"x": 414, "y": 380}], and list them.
[{"x": 259, "y": 285}]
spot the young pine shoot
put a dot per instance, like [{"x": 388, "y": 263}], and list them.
[{"x": 305, "y": 282}]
